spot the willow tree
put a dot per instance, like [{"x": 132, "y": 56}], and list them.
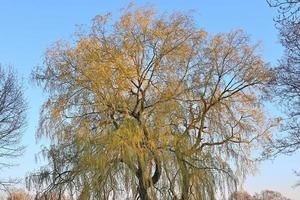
[{"x": 150, "y": 107}]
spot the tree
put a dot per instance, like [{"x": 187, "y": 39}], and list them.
[
  {"x": 150, "y": 107},
  {"x": 12, "y": 117},
  {"x": 270, "y": 195},
  {"x": 50, "y": 196},
  {"x": 241, "y": 195},
  {"x": 19, "y": 194},
  {"x": 288, "y": 72},
  {"x": 263, "y": 195}
]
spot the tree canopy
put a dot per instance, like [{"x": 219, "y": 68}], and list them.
[
  {"x": 12, "y": 119},
  {"x": 263, "y": 195},
  {"x": 287, "y": 85},
  {"x": 150, "y": 106}
]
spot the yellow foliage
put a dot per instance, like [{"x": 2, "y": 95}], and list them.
[{"x": 153, "y": 102}]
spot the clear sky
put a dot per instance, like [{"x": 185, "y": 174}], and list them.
[{"x": 28, "y": 27}]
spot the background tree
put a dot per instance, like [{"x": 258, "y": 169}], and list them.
[
  {"x": 270, "y": 195},
  {"x": 150, "y": 107},
  {"x": 288, "y": 72},
  {"x": 263, "y": 195},
  {"x": 241, "y": 195},
  {"x": 19, "y": 194},
  {"x": 12, "y": 117}
]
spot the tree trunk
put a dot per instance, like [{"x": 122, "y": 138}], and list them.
[{"x": 142, "y": 188}]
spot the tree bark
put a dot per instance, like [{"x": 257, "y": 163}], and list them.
[{"x": 142, "y": 188}]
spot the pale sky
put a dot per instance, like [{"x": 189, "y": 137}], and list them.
[{"x": 28, "y": 27}]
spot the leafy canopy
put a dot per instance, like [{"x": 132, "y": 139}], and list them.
[{"x": 151, "y": 107}]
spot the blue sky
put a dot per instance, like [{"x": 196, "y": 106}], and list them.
[{"x": 28, "y": 27}]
